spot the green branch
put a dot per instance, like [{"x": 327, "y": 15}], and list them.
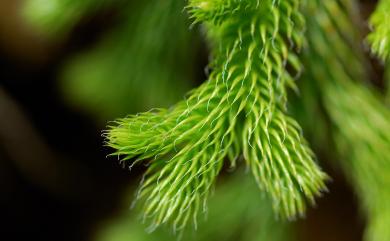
[{"x": 240, "y": 109}]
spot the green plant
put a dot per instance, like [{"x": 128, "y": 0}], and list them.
[
  {"x": 240, "y": 109},
  {"x": 259, "y": 49},
  {"x": 132, "y": 47},
  {"x": 252, "y": 209}
]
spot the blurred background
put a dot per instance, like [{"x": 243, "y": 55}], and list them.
[{"x": 62, "y": 83}]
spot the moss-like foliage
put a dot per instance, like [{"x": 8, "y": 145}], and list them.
[{"x": 239, "y": 110}]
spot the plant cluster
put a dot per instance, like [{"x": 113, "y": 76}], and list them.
[{"x": 260, "y": 50}]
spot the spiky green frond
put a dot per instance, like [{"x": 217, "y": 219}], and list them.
[
  {"x": 135, "y": 66},
  {"x": 217, "y": 11},
  {"x": 360, "y": 122},
  {"x": 380, "y": 37},
  {"x": 59, "y": 16},
  {"x": 240, "y": 109},
  {"x": 257, "y": 221}
]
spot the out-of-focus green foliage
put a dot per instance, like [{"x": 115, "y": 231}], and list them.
[
  {"x": 56, "y": 17},
  {"x": 362, "y": 136},
  {"x": 138, "y": 64},
  {"x": 237, "y": 211},
  {"x": 360, "y": 123},
  {"x": 134, "y": 66},
  {"x": 387, "y": 82}
]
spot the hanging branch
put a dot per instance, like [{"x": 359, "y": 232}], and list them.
[{"x": 239, "y": 110}]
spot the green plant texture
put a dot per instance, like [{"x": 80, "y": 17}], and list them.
[
  {"x": 239, "y": 110},
  {"x": 254, "y": 212}
]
